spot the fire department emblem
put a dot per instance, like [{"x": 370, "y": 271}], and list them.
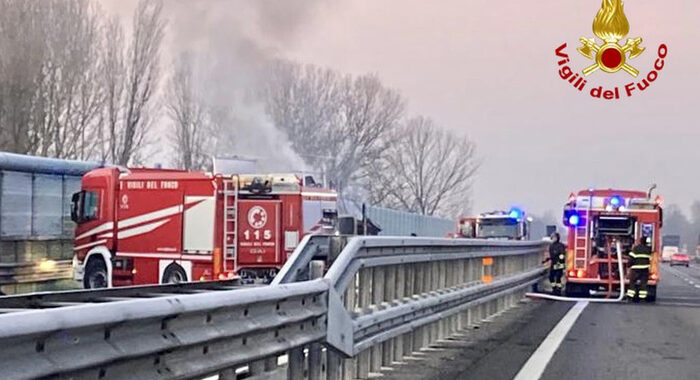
[
  {"x": 257, "y": 217},
  {"x": 611, "y": 26}
]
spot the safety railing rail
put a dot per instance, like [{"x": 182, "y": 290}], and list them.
[
  {"x": 390, "y": 297},
  {"x": 380, "y": 300}
]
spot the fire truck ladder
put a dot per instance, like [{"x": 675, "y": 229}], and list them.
[
  {"x": 230, "y": 219},
  {"x": 582, "y": 239}
]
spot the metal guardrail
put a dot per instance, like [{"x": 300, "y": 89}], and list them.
[{"x": 381, "y": 299}]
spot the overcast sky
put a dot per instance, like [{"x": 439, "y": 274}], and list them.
[{"x": 488, "y": 68}]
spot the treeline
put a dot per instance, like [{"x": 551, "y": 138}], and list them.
[
  {"x": 677, "y": 223},
  {"x": 76, "y": 83},
  {"x": 72, "y": 85}
]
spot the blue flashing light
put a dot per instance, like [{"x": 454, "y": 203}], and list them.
[
  {"x": 574, "y": 220},
  {"x": 615, "y": 201},
  {"x": 515, "y": 213}
]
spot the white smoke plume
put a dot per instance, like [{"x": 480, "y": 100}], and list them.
[{"x": 231, "y": 44}]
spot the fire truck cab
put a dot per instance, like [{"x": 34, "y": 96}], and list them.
[
  {"x": 151, "y": 226},
  {"x": 597, "y": 221},
  {"x": 501, "y": 225}
]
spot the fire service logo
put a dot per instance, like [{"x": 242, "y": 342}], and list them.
[
  {"x": 610, "y": 25},
  {"x": 257, "y": 217}
]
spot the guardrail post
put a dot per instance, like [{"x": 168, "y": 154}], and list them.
[
  {"x": 377, "y": 299},
  {"x": 295, "y": 366},
  {"x": 389, "y": 297},
  {"x": 338, "y": 368},
  {"x": 228, "y": 374},
  {"x": 442, "y": 283},
  {"x": 296, "y": 357},
  {"x": 399, "y": 286},
  {"x": 409, "y": 286},
  {"x": 256, "y": 368},
  {"x": 420, "y": 284},
  {"x": 460, "y": 279},
  {"x": 315, "y": 363},
  {"x": 434, "y": 285},
  {"x": 364, "y": 292}
]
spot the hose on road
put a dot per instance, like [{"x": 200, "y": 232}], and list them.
[{"x": 602, "y": 300}]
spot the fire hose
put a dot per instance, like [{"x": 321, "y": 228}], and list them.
[{"x": 575, "y": 299}]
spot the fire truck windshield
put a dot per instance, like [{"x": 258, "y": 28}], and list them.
[
  {"x": 84, "y": 206},
  {"x": 499, "y": 228}
]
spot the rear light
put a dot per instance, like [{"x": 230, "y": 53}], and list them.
[
  {"x": 222, "y": 276},
  {"x": 572, "y": 273},
  {"x": 580, "y": 273},
  {"x": 134, "y": 271},
  {"x": 654, "y": 276}
]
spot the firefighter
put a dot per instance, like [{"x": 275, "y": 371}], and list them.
[
  {"x": 639, "y": 270},
  {"x": 557, "y": 262}
]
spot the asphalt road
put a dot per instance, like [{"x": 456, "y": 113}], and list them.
[{"x": 606, "y": 341}]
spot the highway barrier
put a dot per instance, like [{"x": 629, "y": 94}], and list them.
[{"x": 380, "y": 300}]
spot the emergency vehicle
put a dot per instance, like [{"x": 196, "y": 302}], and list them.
[
  {"x": 501, "y": 225},
  {"x": 150, "y": 226},
  {"x": 596, "y": 221}
]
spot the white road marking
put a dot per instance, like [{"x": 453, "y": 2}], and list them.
[
  {"x": 535, "y": 366},
  {"x": 682, "y": 276}
]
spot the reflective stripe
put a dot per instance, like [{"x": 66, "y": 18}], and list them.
[
  {"x": 558, "y": 266},
  {"x": 630, "y": 293},
  {"x": 640, "y": 266},
  {"x": 642, "y": 296},
  {"x": 643, "y": 292},
  {"x": 640, "y": 255}
]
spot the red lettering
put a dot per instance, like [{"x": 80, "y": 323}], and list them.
[
  {"x": 560, "y": 51},
  {"x": 643, "y": 85},
  {"x": 663, "y": 51},
  {"x": 659, "y": 64},
  {"x": 629, "y": 89}
]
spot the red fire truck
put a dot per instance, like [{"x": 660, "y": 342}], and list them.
[
  {"x": 496, "y": 225},
  {"x": 597, "y": 221},
  {"x": 150, "y": 226}
]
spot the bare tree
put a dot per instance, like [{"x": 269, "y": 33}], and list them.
[
  {"x": 50, "y": 94},
  {"x": 426, "y": 170},
  {"x": 131, "y": 79},
  {"x": 23, "y": 47},
  {"x": 114, "y": 88},
  {"x": 69, "y": 93},
  {"x": 187, "y": 113},
  {"x": 336, "y": 123}
]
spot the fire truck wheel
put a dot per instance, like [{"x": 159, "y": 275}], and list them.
[
  {"x": 174, "y": 274},
  {"x": 95, "y": 274}
]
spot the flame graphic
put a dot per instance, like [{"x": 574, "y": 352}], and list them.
[{"x": 610, "y": 24}]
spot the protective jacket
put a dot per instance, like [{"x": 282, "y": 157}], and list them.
[
  {"x": 640, "y": 257},
  {"x": 557, "y": 255}
]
